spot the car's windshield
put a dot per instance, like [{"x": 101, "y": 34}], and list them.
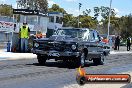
[{"x": 75, "y": 33}]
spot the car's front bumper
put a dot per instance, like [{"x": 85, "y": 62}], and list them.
[
  {"x": 94, "y": 54},
  {"x": 54, "y": 53},
  {"x": 107, "y": 51}
]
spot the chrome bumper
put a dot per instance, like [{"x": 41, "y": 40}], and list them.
[
  {"x": 94, "y": 54},
  {"x": 56, "y": 53}
]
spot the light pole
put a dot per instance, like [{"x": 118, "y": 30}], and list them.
[
  {"x": 109, "y": 20},
  {"x": 80, "y": 4}
]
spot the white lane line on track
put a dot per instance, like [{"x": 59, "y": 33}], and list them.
[
  {"x": 120, "y": 52},
  {"x": 15, "y": 56}
]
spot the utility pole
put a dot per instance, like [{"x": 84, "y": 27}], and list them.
[
  {"x": 80, "y": 4},
  {"x": 25, "y": 19},
  {"x": 109, "y": 20}
]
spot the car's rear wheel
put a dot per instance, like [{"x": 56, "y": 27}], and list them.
[{"x": 41, "y": 59}]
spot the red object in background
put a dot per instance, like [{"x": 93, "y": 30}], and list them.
[
  {"x": 39, "y": 35},
  {"x": 105, "y": 40}
]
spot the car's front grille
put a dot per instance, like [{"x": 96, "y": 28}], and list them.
[{"x": 54, "y": 46}]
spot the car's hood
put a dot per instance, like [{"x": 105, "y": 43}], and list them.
[{"x": 59, "y": 38}]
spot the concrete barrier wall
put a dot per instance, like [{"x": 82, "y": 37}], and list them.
[{"x": 5, "y": 37}]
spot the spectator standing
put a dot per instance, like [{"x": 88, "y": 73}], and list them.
[
  {"x": 24, "y": 36},
  {"x": 117, "y": 43},
  {"x": 128, "y": 43}
]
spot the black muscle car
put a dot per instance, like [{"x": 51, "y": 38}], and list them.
[{"x": 70, "y": 44}]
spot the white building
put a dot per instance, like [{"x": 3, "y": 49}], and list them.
[
  {"x": 46, "y": 24},
  {"x": 55, "y": 22}
]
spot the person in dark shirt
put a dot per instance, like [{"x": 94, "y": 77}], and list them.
[
  {"x": 117, "y": 43},
  {"x": 128, "y": 44}
]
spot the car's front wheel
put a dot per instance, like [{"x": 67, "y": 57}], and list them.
[
  {"x": 41, "y": 59},
  {"x": 81, "y": 60}
]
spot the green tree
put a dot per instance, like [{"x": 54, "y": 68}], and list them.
[
  {"x": 96, "y": 12},
  {"x": 67, "y": 20},
  {"x": 6, "y": 10},
  {"x": 41, "y": 5},
  {"x": 87, "y": 22},
  {"x": 126, "y": 25},
  {"x": 87, "y": 12},
  {"x": 56, "y": 8},
  {"x": 104, "y": 13}
]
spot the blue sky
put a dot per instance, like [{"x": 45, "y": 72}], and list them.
[{"x": 122, "y": 7}]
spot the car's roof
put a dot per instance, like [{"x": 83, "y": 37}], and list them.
[
  {"x": 72, "y": 28},
  {"x": 66, "y": 28},
  {"x": 78, "y": 28}
]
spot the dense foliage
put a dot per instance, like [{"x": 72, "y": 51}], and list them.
[
  {"x": 5, "y": 10},
  {"x": 119, "y": 25},
  {"x": 41, "y": 5}
]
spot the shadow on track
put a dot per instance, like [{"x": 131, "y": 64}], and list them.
[{"x": 61, "y": 64}]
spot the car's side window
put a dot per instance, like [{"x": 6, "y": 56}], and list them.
[{"x": 91, "y": 35}]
